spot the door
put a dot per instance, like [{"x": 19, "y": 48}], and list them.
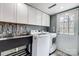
[
  {"x": 8, "y": 12},
  {"x": 44, "y": 17},
  {"x": 43, "y": 45},
  {"x": 47, "y": 20},
  {"x": 22, "y": 13},
  {"x": 38, "y": 17},
  {"x": 32, "y": 15}
]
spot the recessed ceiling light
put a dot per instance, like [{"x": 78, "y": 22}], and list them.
[
  {"x": 66, "y": 14},
  {"x": 61, "y": 7},
  {"x": 19, "y": 4}
]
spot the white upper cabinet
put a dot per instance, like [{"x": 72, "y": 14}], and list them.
[
  {"x": 22, "y": 14},
  {"x": 0, "y": 12},
  {"x": 38, "y": 17},
  {"x": 32, "y": 15},
  {"x": 45, "y": 20},
  {"x": 8, "y": 12}
]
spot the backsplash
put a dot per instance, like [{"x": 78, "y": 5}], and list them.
[
  {"x": 8, "y": 29},
  {"x": 34, "y": 27}
]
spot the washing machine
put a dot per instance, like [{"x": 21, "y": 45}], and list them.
[
  {"x": 40, "y": 46},
  {"x": 52, "y": 47}
]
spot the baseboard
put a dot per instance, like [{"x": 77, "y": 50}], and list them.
[{"x": 64, "y": 52}]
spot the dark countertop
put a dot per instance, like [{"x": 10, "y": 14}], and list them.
[
  {"x": 13, "y": 42},
  {"x": 7, "y": 38}
]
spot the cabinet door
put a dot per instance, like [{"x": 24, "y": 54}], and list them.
[
  {"x": 38, "y": 17},
  {"x": 8, "y": 12},
  {"x": 44, "y": 19},
  {"x": 32, "y": 15},
  {"x": 47, "y": 20},
  {"x": 0, "y": 12},
  {"x": 22, "y": 13}
]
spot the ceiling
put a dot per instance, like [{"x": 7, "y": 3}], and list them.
[{"x": 56, "y": 9}]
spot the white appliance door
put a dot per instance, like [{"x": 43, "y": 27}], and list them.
[
  {"x": 34, "y": 46},
  {"x": 43, "y": 45}
]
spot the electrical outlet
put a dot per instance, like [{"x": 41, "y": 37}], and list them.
[{"x": 17, "y": 49}]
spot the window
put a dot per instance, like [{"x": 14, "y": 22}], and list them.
[{"x": 65, "y": 24}]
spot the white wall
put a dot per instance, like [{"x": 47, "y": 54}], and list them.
[{"x": 67, "y": 44}]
